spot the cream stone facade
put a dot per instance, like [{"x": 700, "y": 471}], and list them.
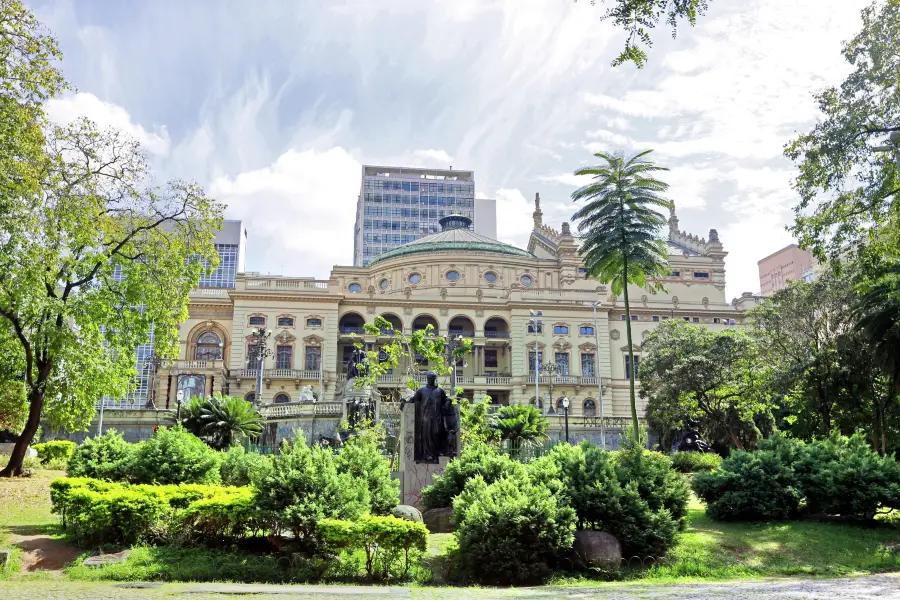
[{"x": 462, "y": 284}]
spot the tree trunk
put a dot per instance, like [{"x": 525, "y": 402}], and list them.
[
  {"x": 634, "y": 416},
  {"x": 36, "y": 407},
  {"x": 734, "y": 439}
]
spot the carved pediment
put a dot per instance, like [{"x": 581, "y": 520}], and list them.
[
  {"x": 634, "y": 348},
  {"x": 540, "y": 345},
  {"x": 313, "y": 340},
  {"x": 562, "y": 345},
  {"x": 285, "y": 337},
  {"x": 586, "y": 348}
]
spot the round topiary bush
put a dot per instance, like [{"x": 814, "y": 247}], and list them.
[
  {"x": 106, "y": 457},
  {"x": 175, "y": 456},
  {"x": 510, "y": 532}
]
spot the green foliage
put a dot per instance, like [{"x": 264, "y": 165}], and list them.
[
  {"x": 474, "y": 422},
  {"x": 695, "y": 462},
  {"x": 175, "y": 456},
  {"x": 620, "y": 228},
  {"x": 692, "y": 374},
  {"x": 361, "y": 458},
  {"x": 633, "y": 495},
  {"x": 510, "y": 531},
  {"x": 13, "y": 401},
  {"x": 117, "y": 515},
  {"x": 103, "y": 457},
  {"x": 638, "y": 17},
  {"x": 847, "y": 189},
  {"x": 229, "y": 515},
  {"x": 386, "y": 541},
  {"x": 222, "y": 421},
  {"x": 476, "y": 460},
  {"x": 519, "y": 423},
  {"x": 56, "y": 450},
  {"x": 306, "y": 487},
  {"x": 244, "y": 468},
  {"x": 750, "y": 486}
]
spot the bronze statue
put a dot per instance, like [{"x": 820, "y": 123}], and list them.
[{"x": 436, "y": 423}]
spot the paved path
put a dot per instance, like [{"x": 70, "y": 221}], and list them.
[{"x": 875, "y": 587}]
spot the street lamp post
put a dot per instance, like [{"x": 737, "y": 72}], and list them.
[
  {"x": 565, "y": 403},
  {"x": 259, "y": 337},
  {"x": 179, "y": 398},
  {"x": 551, "y": 370},
  {"x": 536, "y": 324}
]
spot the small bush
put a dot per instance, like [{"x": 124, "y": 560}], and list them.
[
  {"x": 226, "y": 516},
  {"x": 106, "y": 457},
  {"x": 57, "y": 451},
  {"x": 750, "y": 486},
  {"x": 477, "y": 459},
  {"x": 175, "y": 456},
  {"x": 510, "y": 531},
  {"x": 361, "y": 458},
  {"x": 305, "y": 487},
  {"x": 387, "y": 542},
  {"x": 244, "y": 468},
  {"x": 657, "y": 481},
  {"x": 695, "y": 462},
  {"x": 117, "y": 515}
]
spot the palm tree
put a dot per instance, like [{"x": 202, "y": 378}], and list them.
[
  {"x": 519, "y": 423},
  {"x": 877, "y": 317},
  {"x": 223, "y": 421},
  {"x": 619, "y": 227}
]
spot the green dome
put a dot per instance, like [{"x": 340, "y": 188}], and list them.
[{"x": 455, "y": 235}]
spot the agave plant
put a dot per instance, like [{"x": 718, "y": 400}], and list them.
[{"x": 223, "y": 421}]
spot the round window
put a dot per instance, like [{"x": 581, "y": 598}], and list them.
[
  {"x": 383, "y": 284},
  {"x": 490, "y": 277},
  {"x": 526, "y": 280},
  {"x": 452, "y": 275},
  {"x": 355, "y": 288},
  {"x": 414, "y": 278}
]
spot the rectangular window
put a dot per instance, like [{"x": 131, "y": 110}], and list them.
[
  {"x": 252, "y": 357},
  {"x": 582, "y": 270},
  {"x": 687, "y": 319},
  {"x": 586, "y": 330},
  {"x": 540, "y": 328},
  {"x": 665, "y": 318},
  {"x": 634, "y": 317},
  {"x": 561, "y": 329},
  {"x": 587, "y": 365},
  {"x": 629, "y": 372},
  {"x": 257, "y": 321},
  {"x": 540, "y": 359},
  {"x": 701, "y": 275},
  {"x": 675, "y": 274},
  {"x": 562, "y": 363},
  {"x": 490, "y": 358},
  {"x": 314, "y": 322},
  {"x": 313, "y": 358},
  {"x": 623, "y": 318},
  {"x": 696, "y": 319},
  {"x": 285, "y": 321},
  {"x": 716, "y": 320},
  {"x": 225, "y": 273},
  {"x": 283, "y": 357},
  {"x": 654, "y": 318}
]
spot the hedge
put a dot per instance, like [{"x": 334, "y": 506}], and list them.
[
  {"x": 695, "y": 462},
  {"x": 385, "y": 541},
  {"x": 56, "y": 450}
]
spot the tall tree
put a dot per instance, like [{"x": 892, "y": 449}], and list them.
[
  {"x": 106, "y": 258},
  {"x": 692, "y": 374},
  {"x": 620, "y": 228},
  {"x": 637, "y": 17},
  {"x": 848, "y": 189}
]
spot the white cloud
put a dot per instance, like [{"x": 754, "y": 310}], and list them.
[
  {"x": 432, "y": 158},
  {"x": 299, "y": 211},
  {"x": 565, "y": 179},
  {"x": 106, "y": 115}
]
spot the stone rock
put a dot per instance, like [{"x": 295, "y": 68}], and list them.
[
  {"x": 407, "y": 513},
  {"x": 439, "y": 520},
  {"x": 598, "y": 549}
]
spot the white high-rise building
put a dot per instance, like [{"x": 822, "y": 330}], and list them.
[{"x": 398, "y": 205}]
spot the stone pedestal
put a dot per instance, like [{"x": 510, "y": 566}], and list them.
[{"x": 415, "y": 476}]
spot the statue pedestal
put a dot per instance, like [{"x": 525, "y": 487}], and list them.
[{"x": 415, "y": 476}]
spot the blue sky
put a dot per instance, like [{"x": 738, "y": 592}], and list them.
[{"x": 274, "y": 105}]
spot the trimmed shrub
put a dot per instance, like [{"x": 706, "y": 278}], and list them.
[
  {"x": 175, "y": 456},
  {"x": 305, "y": 487},
  {"x": 244, "y": 468},
  {"x": 228, "y": 515},
  {"x": 695, "y": 462},
  {"x": 477, "y": 459},
  {"x": 106, "y": 457},
  {"x": 57, "y": 451},
  {"x": 117, "y": 515},
  {"x": 387, "y": 542},
  {"x": 510, "y": 531},
  {"x": 361, "y": 458},
  {"x": 612, "y": 492},
  {"x": 750, "y": 486}
]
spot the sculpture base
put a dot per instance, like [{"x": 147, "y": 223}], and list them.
[{"x": 415, "y": 476}]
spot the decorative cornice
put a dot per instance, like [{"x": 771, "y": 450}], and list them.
[
  {"x": 313, "y": 340},
  {"x": 285, "y": 337}
]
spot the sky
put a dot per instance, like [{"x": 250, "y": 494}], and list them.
[{"x": 274, "y": 105}]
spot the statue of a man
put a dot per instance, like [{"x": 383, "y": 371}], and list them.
[{"x": 435, "y": 423}]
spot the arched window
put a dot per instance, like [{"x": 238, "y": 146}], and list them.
[
  {"x": 559, "y": 405},
  {"x": 590, "y": 408},
  {"x": 209, "y": 347},
  {"x": 192, "y": 385},
  {"x": 282, "y": 398},
  {"x": 540, "y": 403},
  {"x": 251, "y": 397}
]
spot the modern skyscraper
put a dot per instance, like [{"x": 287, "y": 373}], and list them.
[
  {"x": 398, "y": 205},
  {"x": 791, "y": 263}
]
